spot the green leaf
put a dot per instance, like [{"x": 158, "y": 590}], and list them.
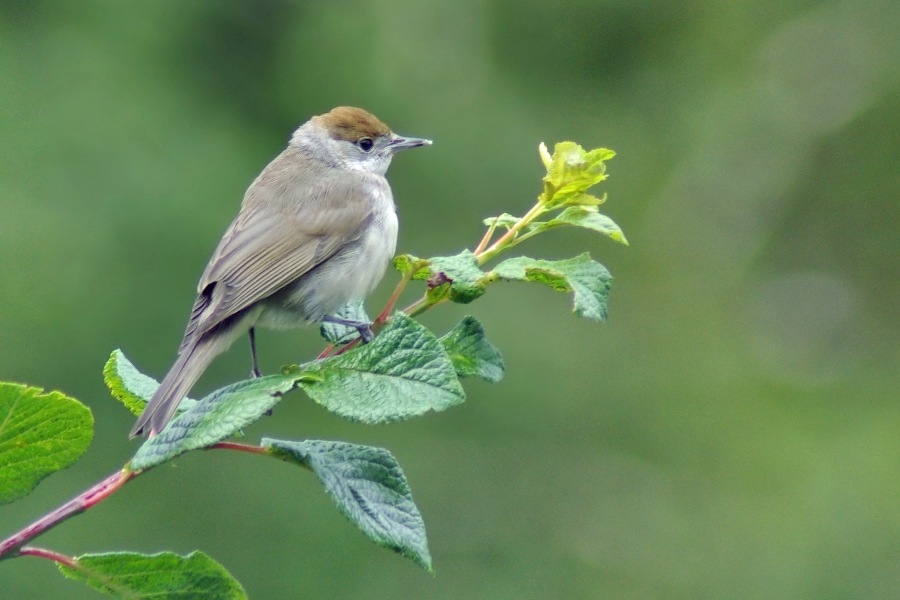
[
  {"x": 584, "y": 216},
  {"x": 369, "y": 487},
  {"x": 407, "y": 263},
  {"x": 461, "y": 272},
  {"x": 571, "y": 172},
  {"x": 215, "y": 417},
  {"x": 131, "y": 387},
  {"x": 40, "y": 433},
  {"x": 472, "y": 355},
  {"x": 163, "y": 576},
  {"x": 439, "y": 287},
  {"x": 506, "y": 221},
  {"x": 338, "y": 334},
  {"x": 404, "y": 372},
  {"x": 466, "y": 278},
  {"x": 589, "y": 280},
  {"x": 545, "y": 155}
]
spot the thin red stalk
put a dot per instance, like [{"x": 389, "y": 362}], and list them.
[
  {"x": 99, "y": 492},
  {"x": 421, "y": 305},
  {"x": 330, "y": 348},
  {"x": 349, "y": 346},
  {"x": 239, "y": 447},
  {"x": 111, "y": 586},
  {"x": 487, "y": 237},
  {"x": 49, "y": 554},
  {"x": 484, "y": 255},
  {"x": 382, "y": 318},
  {"x": 401, "y": 285}
]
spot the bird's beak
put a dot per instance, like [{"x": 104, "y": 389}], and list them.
[{"x": 399, "y": 143}]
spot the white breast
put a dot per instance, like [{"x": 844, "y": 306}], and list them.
[{"x": 350, "y": 274}]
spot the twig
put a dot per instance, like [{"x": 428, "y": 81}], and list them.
[{"x": 12, "y": 546}]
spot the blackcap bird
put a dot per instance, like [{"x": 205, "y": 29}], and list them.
[{"x": 316, "y": 230}]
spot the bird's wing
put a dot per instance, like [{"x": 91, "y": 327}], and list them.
[{"x": 282, "y": 232}]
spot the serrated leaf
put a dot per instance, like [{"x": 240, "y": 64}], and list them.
[
  {"x": 466, "y": 278},
  {"x": 460, "y": 271},
  {"x": 589, "y": 280},
  {"x": 585, "y": 199},
  {"x": 215, "y": 417},
  {"x": 407, "y": 263},
  {"x": 369, "y": 487},
  {"x": 131, "y": 387},
  {"x": 506, "y": 221},
  {"x": 472, "y": 355},
  {"x": 571, "y": 172},
  {"x": 587, "y": 217},
  {"x": 404, "y": 372},
  {"x": 338, "y": 334},
  {"x": 40, "y": 433},
  {"x": 163, "y": 576}
]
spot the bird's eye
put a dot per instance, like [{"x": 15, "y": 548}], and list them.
[{"x": 366, "y": 144}]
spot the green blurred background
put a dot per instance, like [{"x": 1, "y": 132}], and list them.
[{"x": 732, "y": 432}]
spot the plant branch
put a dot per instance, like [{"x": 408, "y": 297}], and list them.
[
  {"x": 378, "y": 322},
  {"x": 386, "y": 312},
  {"x": 422, "y": 305},
  {"x": 12, "y": 546},
  {"x": 487, "y": 237},
  {"x": 504, "y": 240}
]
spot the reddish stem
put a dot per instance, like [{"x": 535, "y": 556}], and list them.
[
  {"x": 239, "y": 447},
  {"x": 377, "y": 324},
  {"x": 44, "y": 553},
  {"x": 401, "y": 285},
  {"x": 12, "y": 546},
  {"x": 487, "y": 237}
]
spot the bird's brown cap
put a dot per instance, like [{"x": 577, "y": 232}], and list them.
[{"x": 351, "y": 124}]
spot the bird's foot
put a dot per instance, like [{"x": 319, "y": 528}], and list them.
[{"x": 365, "y": 329}]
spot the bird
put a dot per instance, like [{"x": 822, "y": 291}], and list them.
[{"x": 316, "y": 230}]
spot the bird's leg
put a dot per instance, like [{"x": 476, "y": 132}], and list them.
[
  {"x": 255, "y": 372},
  {"x": 364, "y": 329}
]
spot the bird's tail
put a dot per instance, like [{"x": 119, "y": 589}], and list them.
[{"x": 191, "y": 364}]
